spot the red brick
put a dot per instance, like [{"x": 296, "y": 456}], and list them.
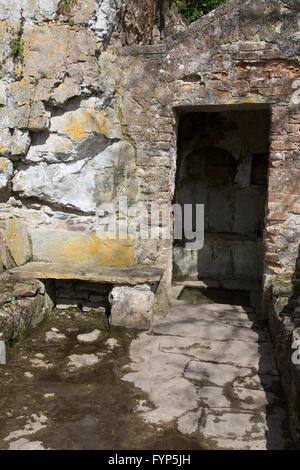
[
  {"x": 294, "y": 119},
  {"x": 295, "y": 209},
  {"x": 294, "y": 137},
  {"x": 221, "y": 94},
  {"x": 282, "y": 146},
  {"x": 278, "y": 74},
  {"x": 292, "y": 127},
  {"x": 294, "y": 74},
  {"x": 277, "y": 90},
  {"x": 279, "y": 197},
  {"x": 239, "y": 84},
  {"x": 274, "y": 206},
  {"x": 240, "y": 93},
  {"x": 281, "y": 164},
  {"x": 278, "y": 215}
]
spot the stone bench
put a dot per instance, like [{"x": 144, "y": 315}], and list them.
[{"x": 133, "y": 287}]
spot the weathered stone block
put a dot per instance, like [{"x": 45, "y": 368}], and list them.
[
  {"x": 220, "y": 209},
  {"x": 214, "y": 260},
  {"x": 247, "y": 259},
  {"x": 184, "y": 262},
  {"x": 18, "y": 241},
  {"x": 132, "y": 307},
  {"x": 85, "y": 171},
  {"x": 22, "y": 306},
  {"x": 80, "y": 248},
  {"x": 249, "y": 210},
  {"x": 6, "y": 171}
]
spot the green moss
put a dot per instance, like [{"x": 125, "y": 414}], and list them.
[
  {"x": 124, "y": 130},
  {"x": 49, "y": 319},
  {"x": 73, "y": 310},
  {"x": 65, "y": 6},
  {"x": 16, "y": 165},
  {"x": 19, "y": 340},
  {"x": 192, "y": 10}
]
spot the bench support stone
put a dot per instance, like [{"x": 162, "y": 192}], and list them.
[{"x": 132, "y": 307}]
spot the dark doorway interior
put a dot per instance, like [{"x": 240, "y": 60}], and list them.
[{"x": 223, "y": 164}]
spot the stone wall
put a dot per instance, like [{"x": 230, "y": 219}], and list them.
[
  {"x": 23, "y": 305},
  {"x": 90, "y": 95},
  {"x": 87, "y": 296},
  {"x": 284, "y": 322},
  {"x": 231, "y": 59},
  {"x": 85, "y": 119},
  {"x": 83, "y": 123}
]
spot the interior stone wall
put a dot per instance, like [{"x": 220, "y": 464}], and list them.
[{"x": 223, "y": 164}]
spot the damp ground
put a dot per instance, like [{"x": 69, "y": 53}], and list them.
[{"x": 57, "y": 392}]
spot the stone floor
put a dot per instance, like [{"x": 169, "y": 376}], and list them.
[
  {"x": 211, "y": 370},
  {"x": 62, "y": 389},
  {"x": 203, "y": 378}
]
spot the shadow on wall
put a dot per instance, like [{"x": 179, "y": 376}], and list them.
[
  {"x": 284, "y": 318},
  {"x": 292, "y": 308},
  {"x": 278, "y": 435}
]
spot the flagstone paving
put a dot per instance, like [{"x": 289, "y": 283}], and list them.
[
  {"x": 204, "y": 377},
  {"x": 211, "y": 370}
]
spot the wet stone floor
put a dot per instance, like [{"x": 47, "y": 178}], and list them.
[
  {"x": 204, "y": 377},
  {"x": 59, "y": 391}
]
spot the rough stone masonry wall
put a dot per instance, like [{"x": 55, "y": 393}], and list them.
[
  {"x": 284, "y": 322},
  {"x": 64, "y": 147},
  {"x": 84, "y": 119},
  {"x": 246, "y": 54},
  {"x": 23, "y": 304}
]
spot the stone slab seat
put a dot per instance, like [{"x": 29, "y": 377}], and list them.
[
  {"x": 128, "y": 275},
  {"x": 132, "y": 295}
]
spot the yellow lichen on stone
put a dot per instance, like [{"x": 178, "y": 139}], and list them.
[
  {"x": 81, "y": 123},
  {"x": 96, "y": 250},
  {"x": 2, "y": 150},
  {"x": 18, "y": 242},
  {"x": 243, "y": 101}
]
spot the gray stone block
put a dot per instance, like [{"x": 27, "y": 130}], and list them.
[
  {"x": 184, "y": 262},
  {"x": 132, "y": 307}
]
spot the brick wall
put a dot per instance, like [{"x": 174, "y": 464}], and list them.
[{"x": 221, "y": 60}]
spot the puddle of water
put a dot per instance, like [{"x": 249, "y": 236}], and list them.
[{"x": 86, "y": 408}]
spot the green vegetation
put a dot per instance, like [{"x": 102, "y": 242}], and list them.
[
  {"x": 65, "y": 6},
  {"x": 17, "y": 43},
  {"x": 124, "y": 130},
  {"x": 192, "y": 10}
]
